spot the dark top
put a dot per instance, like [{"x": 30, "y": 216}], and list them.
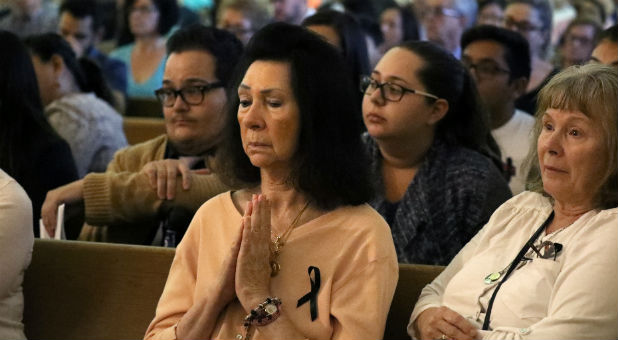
[
  {"x": 527, "y": 102},
  {"x": 451, "y": 197},
  {"x": 51, "y": 166},
  {"x": 114, "y": 70}
]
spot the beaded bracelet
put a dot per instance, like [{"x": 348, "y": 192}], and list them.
[{"x": 265, "y": 313}]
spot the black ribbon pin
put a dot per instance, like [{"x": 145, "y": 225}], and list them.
[{"x": 312, "y": 296}]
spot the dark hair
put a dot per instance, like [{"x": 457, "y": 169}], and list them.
[
  {"x": 610, "y": 34},
  {"x": 353, "y": 44},
  {"x": 330, "y": 163},
  {"x": 408, "y": 21},
  {"x": 371, "y": 28},
  {"x": 483, "y": 3},
  {"x": 224, "y": 47},
  {"x": 516, "y": 48},
  {"x": 545, "y": 11},
  {"x": 169, "y": 13},
  {"x": 466, "y": 122},
  {"x": 87, "y": 74},
  {"x": 82, "y": 9},
  {"x": 21, "y": 110}
]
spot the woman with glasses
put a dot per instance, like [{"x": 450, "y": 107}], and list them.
[
  {"x": 146, "y": 24},
  {"x": 294, "y": 252},
  {"x": 432, "y": 153},
  {"x": 545, "y": 266}
]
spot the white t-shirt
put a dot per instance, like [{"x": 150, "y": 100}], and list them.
[{"x": 514, "y": 139}]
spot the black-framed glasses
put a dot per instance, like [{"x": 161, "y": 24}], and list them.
[
  {"x": 484, "y": 68},
  {"x": 443, "y": 11},
  {"x": 546, "y": 250},
  {"x": 389, "y": 91},
  {"x": 192, "y": 95}
]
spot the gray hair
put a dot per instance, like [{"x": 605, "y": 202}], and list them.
[{"x": 593, "y": 90}]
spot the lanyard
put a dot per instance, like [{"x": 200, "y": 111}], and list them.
[{"x": 513, "y": 265}]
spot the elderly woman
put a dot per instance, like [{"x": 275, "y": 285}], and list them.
[
  {"x": 545, "y": 266},
  {"x": 431, "y": 150},
  {"x": 298, "y": 254}
]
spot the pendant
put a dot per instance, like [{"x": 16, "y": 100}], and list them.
[
  {"x": 493, "y": 277},
  {"x": 274, "y": 268}
]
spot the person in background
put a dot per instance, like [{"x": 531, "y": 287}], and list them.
[
  {"x": 299, "y": 226},
  {"x": 242, "y": 17},
  {"x": 591, "y": 9},
  {"x": 533, "y": 20},
  {"x": 436, "y": 165},
  {"x": 74, "y": 99},
  {"x": 491, "y": 12},
  {"x": 499, "y": 61},
  {"x": 545, "y": 266},
  {"x": 16, "y": 241},
  {"x": 373, "y": 39},
  {"x": 26, "y": 17},
  {"x": 445, "y": 21},
  {"x": 578, "y": 41},
  {"x": 81, "y": 24},
  {"x": 606, "y": 51},
  {"x": 344, "y": 32},
  {"x": 126, "y": 203},
  {"x": 148, "y": 21},
  {"x": 30, "y": 150},
  {"x": 398, "y": 24},
  {"x": 291, "y": 11}
]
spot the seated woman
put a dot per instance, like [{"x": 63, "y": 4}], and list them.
[
  {"x": 16, "y": 240},
  {"x": 146, "y": 24},
  {"x": 30, "y": 150},
  {"x": 298, "y": 254},
  {"x": 398, "y": 24},
  {"x": 78, "y": 103},
  {"x": 427, "y": 136},
  {"x": 545, "y": 266}
]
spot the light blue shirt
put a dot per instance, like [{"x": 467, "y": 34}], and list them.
[{"x": 145, "y": 89}]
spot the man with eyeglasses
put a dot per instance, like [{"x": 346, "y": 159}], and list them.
[
  {"x": 445, "y": 20},
  {"x": 499, "y": 62},
  {"x": 140, "y": 187}
]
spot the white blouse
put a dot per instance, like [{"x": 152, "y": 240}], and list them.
[{"x": 574, "y": 296}]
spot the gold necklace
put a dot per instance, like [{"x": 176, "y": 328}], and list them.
[{"x": 279, "y": 242}]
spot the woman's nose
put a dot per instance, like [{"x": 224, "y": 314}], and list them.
[
  {"x": 553, "y": 143},
  {"x": 377, "y": 96},
  {"x": 252, "y": 117}
]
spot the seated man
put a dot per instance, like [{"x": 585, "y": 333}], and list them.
[
  {"x": 199, "y": 66},
  {"x": 499, "y": 62},
  {"x": 81, "y": 25}
]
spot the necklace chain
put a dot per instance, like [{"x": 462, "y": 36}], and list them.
[{"x": 279, "y": 242}]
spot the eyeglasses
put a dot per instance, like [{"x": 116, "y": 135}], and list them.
[
  {"x": 389, "y": 91},
  {"x": 484, "y": 68},
  {"x": 192, "y": 95},
  {"x": 442, "y": 11},
  {"x": 521, "y": 26},
  {"x": 546, "y": 250}
]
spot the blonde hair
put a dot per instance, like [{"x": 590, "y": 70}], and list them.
[{"x": 593, "y": 90}]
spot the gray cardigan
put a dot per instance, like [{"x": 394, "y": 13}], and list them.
[{"x": 452, "y": 196}]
